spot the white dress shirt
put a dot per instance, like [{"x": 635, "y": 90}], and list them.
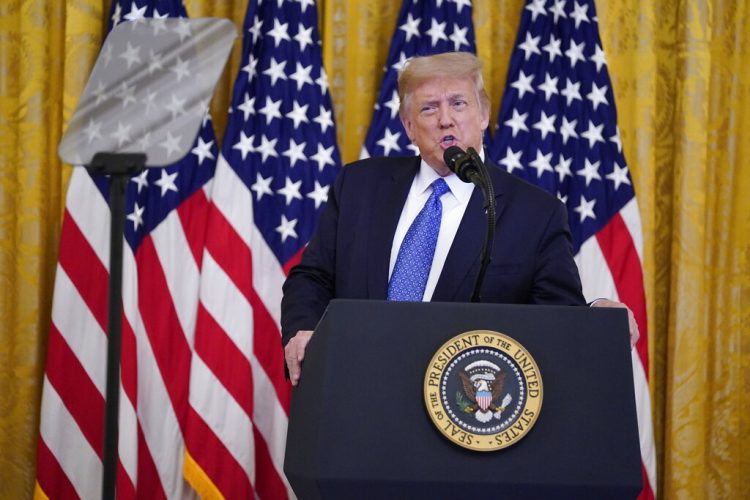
[{"x": 454, "y": 205}]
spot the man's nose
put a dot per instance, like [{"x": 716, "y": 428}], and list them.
[{"x": 445, "y": 117}]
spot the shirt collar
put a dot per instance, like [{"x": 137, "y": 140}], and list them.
[{"x": 427, "y": 175}]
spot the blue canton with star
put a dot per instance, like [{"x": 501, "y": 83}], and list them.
[
  {"x": 557, "y": 125},
  {"x": 281, "y": 138}
]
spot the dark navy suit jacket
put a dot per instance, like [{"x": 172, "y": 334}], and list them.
[{"x": 349, "y": 254}]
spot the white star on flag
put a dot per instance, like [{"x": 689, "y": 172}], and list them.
[
  {"x": 389, "y": 142},
  {"x": 295, "y": 152},
  {"x": 286, "y": 228},
  {"x": 136, "y": 216},
  {"x": 262, "y": 186},
  {"x": 319, "y": 195},
  {"x": 518, "y": 122},
  {"x": 512, "y": 160},
  {"x": 203, "y": 150},
  {"x": 166, "y": 181},
  {"x": 586, "y": 208},
  {"x": 298, "y": 114},
  {"x": 290, "y": 191},
  {"x": 523, "y": 84}
]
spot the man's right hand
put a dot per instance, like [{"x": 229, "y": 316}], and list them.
[{"x": 294, "y": 353}]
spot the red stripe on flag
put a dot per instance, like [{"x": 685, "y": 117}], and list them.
[
  {"x": 224, "y": 360},
  {"x": 80, "y": 396},
  {"x": 129, "y": 362},
  {"x": 149, "y": 483},
  {"x": 268, "y": 350},
  {"x": 296, "y": 258},
  {"x": 622, "y": 258},
  {"x": 168, "y": 342},
  {"x": 125, "y": 489},
  {"x": 647, "y": 493},
  {"x": 84, "y": 269},
  {"x": 216, "y": 461},
  {"x": 235, "y": 258},
  {"x": 50, "y": 476},
  {"x": 268, "y": 484},
  {"x": 193, "y": 213},
  {"x": 230, "y": 252}
]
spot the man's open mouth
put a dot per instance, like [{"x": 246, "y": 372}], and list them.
[{"x": 448, "y": 141}]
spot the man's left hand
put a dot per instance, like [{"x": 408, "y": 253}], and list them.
[{"x": 632, "y": 325}]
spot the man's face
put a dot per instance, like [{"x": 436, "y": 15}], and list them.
[{"x": 441, "y": 113}]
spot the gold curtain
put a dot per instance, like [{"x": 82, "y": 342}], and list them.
[{"x": 682, "y": 85}]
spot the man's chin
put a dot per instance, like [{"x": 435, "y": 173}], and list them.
[{"x": 438, "y": 165}]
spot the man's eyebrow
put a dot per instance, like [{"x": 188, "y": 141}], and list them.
[
  {"x": 437, "y": 99},
  {"x": 429, "y": 101}
]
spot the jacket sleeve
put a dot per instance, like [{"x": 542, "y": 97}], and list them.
[
  {"x": 310, "y": 284},
  {"x": 556, "y": 278}
]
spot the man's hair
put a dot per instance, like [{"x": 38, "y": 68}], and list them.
[{"x": 445, "y": 65}]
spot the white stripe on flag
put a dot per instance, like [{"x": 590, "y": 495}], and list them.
[
  {"x": 226, "y": 304},
  {"x": 90, "y": 211},
  {"x": 236, "y": 204},
  {"x": 223, "y": 416},
  {"x": 158, "y": 420},
  {"x": 270, "y": 418},
  {"x": 79, "y": 328},
  {"x": 156, "y": 415},
  {"x": 632, "y": 218},
  {"x": 643, "y": 409},
  {"x": 127, "y": 443},
  {"x": 61, "y": 434},
  {"x": 180, "y": 270},
  {"x": 595, "y": 275},
  {"x": 233, "y": 200}
]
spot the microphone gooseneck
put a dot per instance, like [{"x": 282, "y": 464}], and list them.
[{"x": 469, "y": 167}]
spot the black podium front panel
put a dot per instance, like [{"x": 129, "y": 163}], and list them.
[{"x": 359, "y": 428}]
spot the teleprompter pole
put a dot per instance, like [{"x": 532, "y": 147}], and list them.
[{"x": 120, "y": 167}]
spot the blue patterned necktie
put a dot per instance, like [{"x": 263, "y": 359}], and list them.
[{"x": 414, "y": 259}]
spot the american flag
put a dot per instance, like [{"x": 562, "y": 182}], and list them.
[
  {"x": 279, "y": 157},
  {"x": 164, "y": 237},
  {"x": 557, "y": 128},
  {"x": 423, "y": 28}
]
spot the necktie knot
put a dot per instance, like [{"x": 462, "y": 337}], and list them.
[{"x": 439, "y": 188}]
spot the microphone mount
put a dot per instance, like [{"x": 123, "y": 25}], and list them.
[{"x": 469, "y": 167}]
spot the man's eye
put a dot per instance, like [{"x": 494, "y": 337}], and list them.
[{"x": 459, "y": 104}]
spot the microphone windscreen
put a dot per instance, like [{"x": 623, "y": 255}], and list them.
[{"x": 452, "y": 155}]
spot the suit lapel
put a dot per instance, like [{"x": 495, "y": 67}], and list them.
[
  {"x": 391, "y": 195},
  {"x": 467, "y": 245}
]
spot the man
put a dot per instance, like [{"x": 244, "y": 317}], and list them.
[{"x": 386, "y": 214}]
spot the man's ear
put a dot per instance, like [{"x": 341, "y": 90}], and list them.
[
  {"x": 485, "y": 119},
  {"x": 407, "y": 126}
]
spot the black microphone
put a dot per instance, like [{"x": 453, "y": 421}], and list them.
[{"x": 464, "y": 164}]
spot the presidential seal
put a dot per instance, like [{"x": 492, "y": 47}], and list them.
[{"x": 483, "y": 390}]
